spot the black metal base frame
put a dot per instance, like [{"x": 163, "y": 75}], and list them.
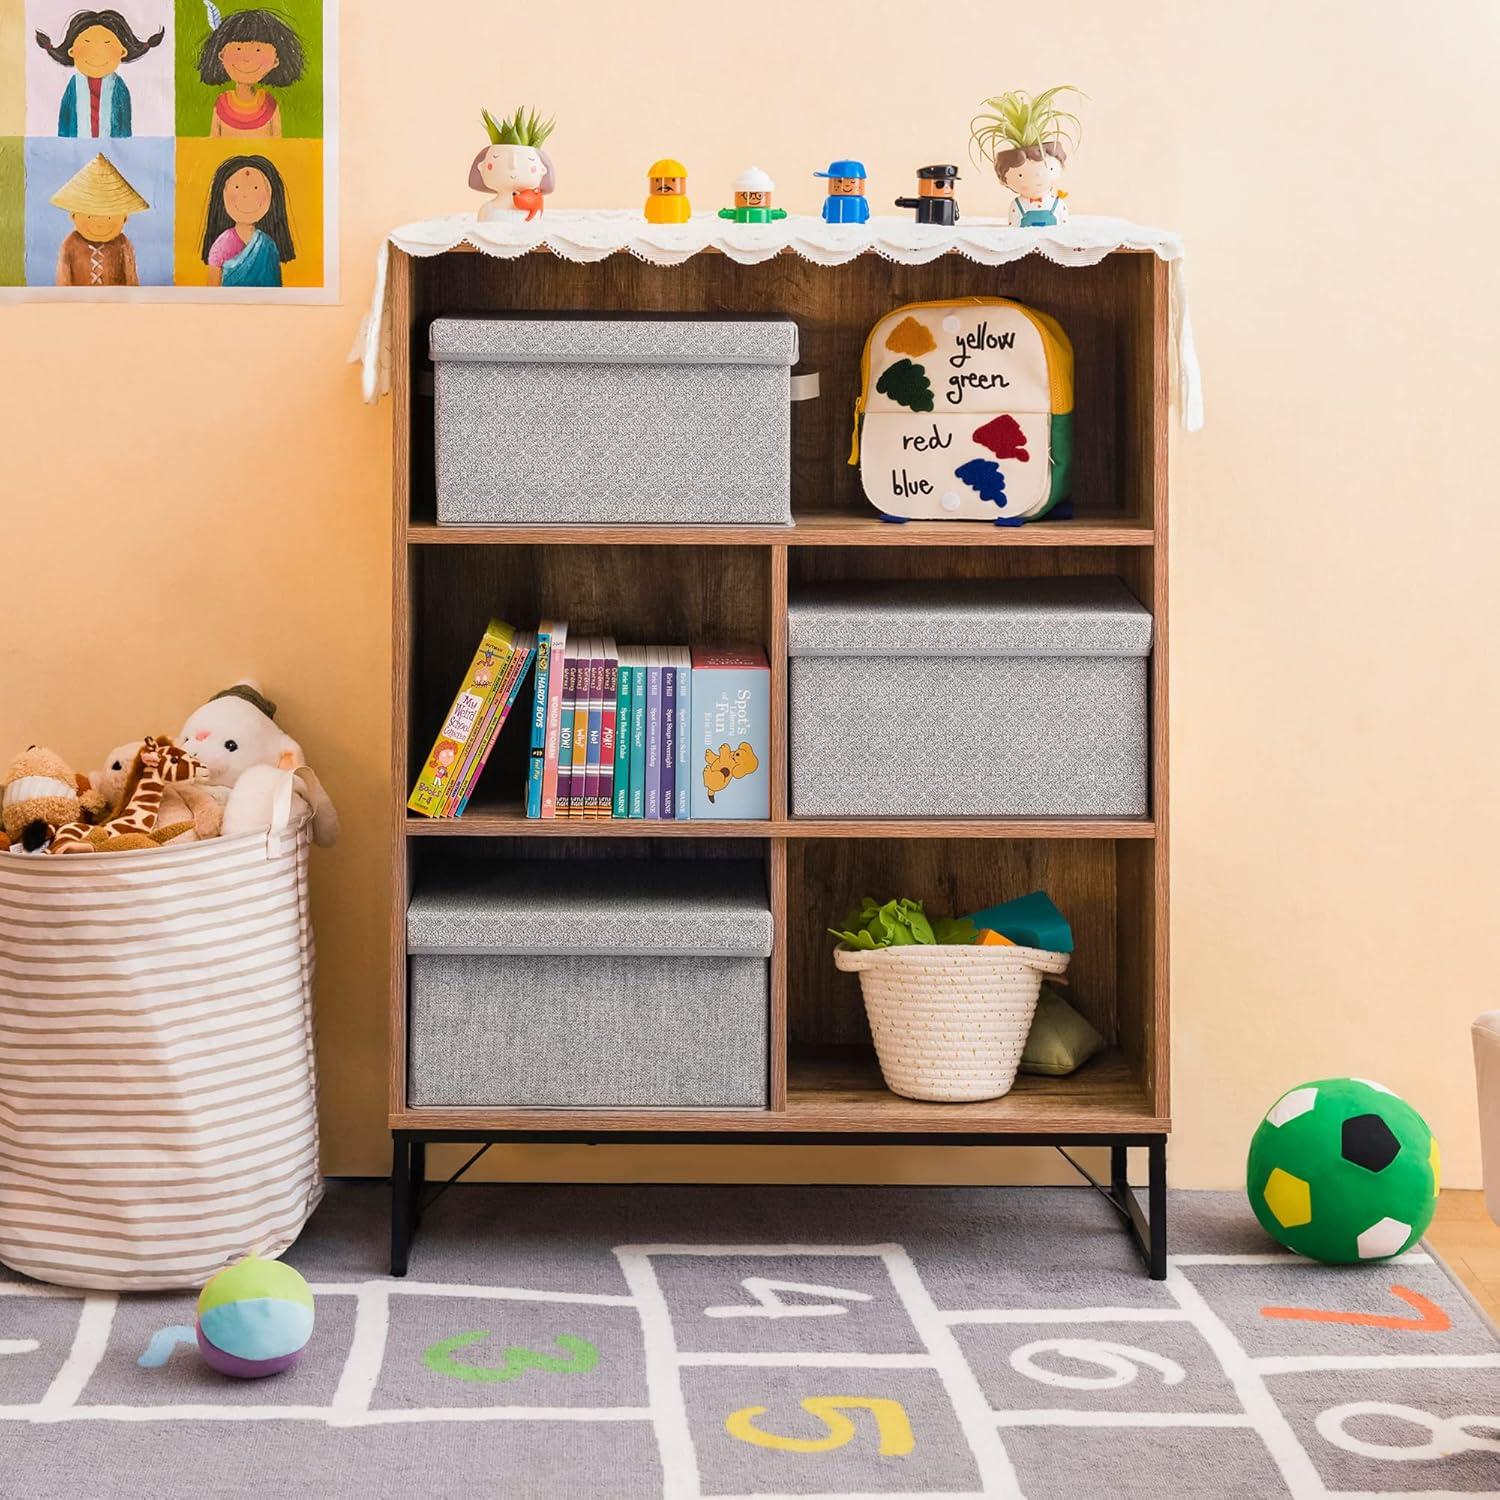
[{"x": 1146, "y": 1228}]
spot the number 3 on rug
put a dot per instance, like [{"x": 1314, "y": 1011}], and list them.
[{"x": 891, "y": 1423}]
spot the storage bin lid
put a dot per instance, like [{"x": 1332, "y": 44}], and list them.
[
  {"x": 970, "y": 617},
  {"x": 604, "y": 908},
  {"x": 611, "y": 341}
]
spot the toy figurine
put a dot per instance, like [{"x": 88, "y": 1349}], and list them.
[
  {"x": 846, "y": 202},
  {"x": 513, "y": 166},
  {"x": 752, "y": 199},
  {"x": 934, "y": 203},
  {"x": 1027, "y": 141},
  {"x": 667, "y": 202}
]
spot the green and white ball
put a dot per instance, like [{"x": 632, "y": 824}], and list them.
[{"x": 1343, "y": 1170}]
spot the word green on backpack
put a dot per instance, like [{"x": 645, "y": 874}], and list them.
[{"x": 965, "y": 412}]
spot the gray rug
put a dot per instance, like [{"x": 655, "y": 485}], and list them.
[{"x": 713, "y": 1342}]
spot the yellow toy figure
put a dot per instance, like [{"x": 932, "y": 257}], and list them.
[{"x": 667, "y": 202}]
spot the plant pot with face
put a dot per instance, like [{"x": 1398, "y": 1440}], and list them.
[
  {"x": 513, "y": 168},
  {"x": 1027, "y": 141}
]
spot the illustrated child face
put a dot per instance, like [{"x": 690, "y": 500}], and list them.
[
  {"x": 248, "y": 62},
  {"x": 935, "y": 187},
  {"x": 666, "y": 187},
  {"x": 247, "y": 195},
  {"x": 1033, "y": 179},
  {"x": 97, "y": 52},
  {"x": 447, "y": 753},
  {"x": 845, "y": 187},
  {"x": 752, "y": 200},
  {"x": 510, "y": 169},
  {"x": 99, "y": 228}
]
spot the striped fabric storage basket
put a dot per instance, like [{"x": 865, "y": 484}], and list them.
[{"x": 158, "y": 1110}]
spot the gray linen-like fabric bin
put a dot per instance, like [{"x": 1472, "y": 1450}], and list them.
[
  {"x": 593, "y": 985},
  {"x": 974, "y": 697},
  {"x": 625, "y": 420}
]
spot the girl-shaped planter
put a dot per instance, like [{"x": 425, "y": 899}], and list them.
[
  {"x": 513, "y": 167},
  {"x": 247, "y": 238},
  {"x": 1027, "y": 140},
  {"x": 95, "y": 100}
]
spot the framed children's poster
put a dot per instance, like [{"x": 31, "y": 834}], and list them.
[{"x": 166, "y": 150}]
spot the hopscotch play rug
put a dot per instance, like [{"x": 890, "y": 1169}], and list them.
[{"x": 596, "y": 1342}]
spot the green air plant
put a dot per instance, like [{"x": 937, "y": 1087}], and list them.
[
  {"x": 522, "y": 129},
  {"x": 1017, "y": 121}
]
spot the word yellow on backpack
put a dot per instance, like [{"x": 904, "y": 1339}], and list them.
[{"x": 965, "y": 412}]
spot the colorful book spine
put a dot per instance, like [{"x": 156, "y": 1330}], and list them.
[
  {"x": 609, "y": 715},
  {"x": 430, "y": 791},
  {"x": 554, "y": 719},
  {"x": 731, "y": 696},
  {"x": 578, "y": 787},
  {"x": 565, "y": 733},
  {"x": 536, "y": 762},
  {"x": 461, "y": 785},
  {"x": 653, "y": 732},
  {"x": 684, "y": 732},
  {"x": 593, "y": 771},
  {"x": 638, "y": 733},
  {"x": 668, "y": 732},
  {"x": 521, "y": 661},
  {"x": 624, "y": 682}
]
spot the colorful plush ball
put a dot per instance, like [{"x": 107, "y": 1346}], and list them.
[
  {"x": 254, "y": 1319},
  {"x": 1343, "y": 1170}
]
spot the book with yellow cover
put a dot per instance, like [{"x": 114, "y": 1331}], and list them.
[{"x": 430, "y": 794}]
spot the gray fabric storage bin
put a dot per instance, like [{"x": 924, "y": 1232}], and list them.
[
  {"x": 973, "y": 697},
  {"x": 559, "y": 984},
  {"x": 582, "y": 421}
]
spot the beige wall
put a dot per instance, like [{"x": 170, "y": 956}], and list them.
[{"x": 195, "y": 492}]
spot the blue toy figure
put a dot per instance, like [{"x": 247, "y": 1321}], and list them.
[{"x": 846, "y": 202}]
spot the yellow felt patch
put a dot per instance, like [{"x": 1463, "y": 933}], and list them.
[
  {"x": 1289, "y": 1198},
  {"x": 910, "y": 337}
]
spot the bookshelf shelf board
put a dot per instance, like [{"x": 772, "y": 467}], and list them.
[
  {"x": 843, "y": 1092},
  {"x": 509, "y": 820},
  {"x": 812, "y": 529}
]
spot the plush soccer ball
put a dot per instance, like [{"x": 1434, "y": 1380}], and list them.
[
  {"x": 1343, "y": 1170},
  {"x": 254, "y": 1319}
]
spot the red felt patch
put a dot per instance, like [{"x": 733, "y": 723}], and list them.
[{"x": 1002, "y": 435}]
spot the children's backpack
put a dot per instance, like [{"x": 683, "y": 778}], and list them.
[{"x": 965, "y": 412}]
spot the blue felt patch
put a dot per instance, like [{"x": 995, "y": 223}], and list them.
[{"x": 984, "y": 477}]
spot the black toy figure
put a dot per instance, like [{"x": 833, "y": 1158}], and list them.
[{"x": 935, "y": 203}]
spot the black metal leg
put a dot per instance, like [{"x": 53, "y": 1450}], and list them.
[
  {"x": 418, "y": 1181},
  {"x": 1157, "y": 1191},
  {"x": 401, "y": 1202},
  {"x": 1119, "y": 1175}
]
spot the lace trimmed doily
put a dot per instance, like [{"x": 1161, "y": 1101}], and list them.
[{"x": 593, "y": 234}]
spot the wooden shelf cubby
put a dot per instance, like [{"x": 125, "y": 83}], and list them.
[{"x": 720, "y": 582}]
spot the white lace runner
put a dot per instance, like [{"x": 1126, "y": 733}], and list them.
[{"x": 593, "y": 234}]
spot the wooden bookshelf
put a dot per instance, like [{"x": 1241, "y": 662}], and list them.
[{"x": 722, "y": 582}]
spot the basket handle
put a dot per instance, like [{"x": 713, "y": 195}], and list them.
[{"x": 853, "y": 960}]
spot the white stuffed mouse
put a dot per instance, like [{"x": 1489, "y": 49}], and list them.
[{"x": 234, "y": 733}]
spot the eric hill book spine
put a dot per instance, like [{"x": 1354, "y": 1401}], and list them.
[
  {"x": 684, "y": 659},
  {"x": 731, "y": 700},
  {"x": 609, "y": 715},
  {"x": 653, "y": 732},
  {"x": 430, "y": 793},
  {"x": 668, "y": 732},
  {"x": 624, "y": 682}
]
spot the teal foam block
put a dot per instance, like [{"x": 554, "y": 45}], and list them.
[{"x": 1033, "y": 921}]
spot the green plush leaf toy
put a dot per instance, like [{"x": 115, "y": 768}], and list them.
[{"x": 898, "y": 924}]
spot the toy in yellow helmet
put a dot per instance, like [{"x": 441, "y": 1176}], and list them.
[{"x": 667, "y": 202}]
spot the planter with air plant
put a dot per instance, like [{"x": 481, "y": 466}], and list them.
[
  {"x": 1028, "y": 140},
  {"x": 513, "y": 167}
]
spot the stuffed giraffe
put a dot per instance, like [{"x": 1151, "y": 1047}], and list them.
[{"x": 158, "y": 764}]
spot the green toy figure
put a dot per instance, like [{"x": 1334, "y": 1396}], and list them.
[{"x": 752, "y": 199}]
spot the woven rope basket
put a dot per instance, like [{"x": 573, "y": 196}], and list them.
[{"x": 950, "y": 1022}]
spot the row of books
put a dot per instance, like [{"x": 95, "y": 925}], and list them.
[{"x": 659, "y": 733}]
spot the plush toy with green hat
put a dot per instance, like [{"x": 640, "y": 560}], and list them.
[{"x": 235, "y": 735}]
